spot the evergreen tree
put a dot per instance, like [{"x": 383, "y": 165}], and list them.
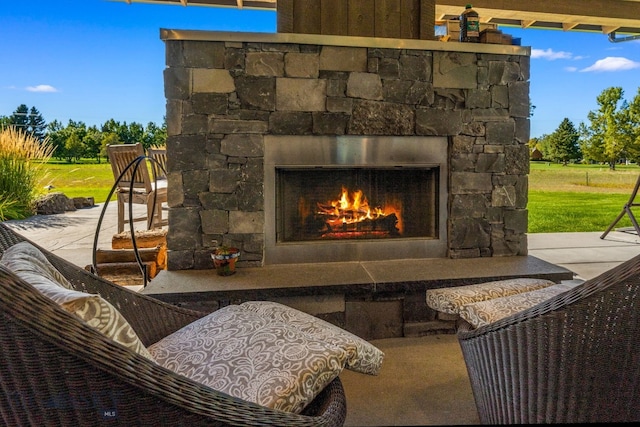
[
  {"x": 563, "y": 143},
  {"x": 20, "y": 118},
  {"x": 36, "y": 125}
]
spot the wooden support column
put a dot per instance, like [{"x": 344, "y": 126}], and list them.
[{"x": 403, "y": 19}]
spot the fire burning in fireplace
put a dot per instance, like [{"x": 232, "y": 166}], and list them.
[{"x": 351, "y": 216}]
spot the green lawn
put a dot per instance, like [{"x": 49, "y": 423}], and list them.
[
  {"x": 84, "y": 179},
  {"x": 578, "y": 197}
]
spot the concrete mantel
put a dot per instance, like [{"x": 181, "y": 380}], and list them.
[{"x": 346, "y": 41}]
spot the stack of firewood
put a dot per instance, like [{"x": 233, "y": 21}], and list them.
[{"x": 119, "y": 263}]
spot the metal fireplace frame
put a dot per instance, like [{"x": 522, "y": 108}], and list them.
[{"x": 282, "y": 151}]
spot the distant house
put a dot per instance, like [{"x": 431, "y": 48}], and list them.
[{"x": 536, "y": 154}]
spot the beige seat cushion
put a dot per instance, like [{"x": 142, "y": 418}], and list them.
[
  {"x": 251, "y": 357},
  {"x": 362, "y": 356},
  {"x": 485, "y": 312},
  {"x": 450, "y": 300},
  {"x": 27, "y": 262}
]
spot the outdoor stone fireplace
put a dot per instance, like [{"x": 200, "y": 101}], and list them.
[{"x": 265, "y": 130}]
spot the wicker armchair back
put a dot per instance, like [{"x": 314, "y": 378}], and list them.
[
  {"x": 57, "y": 371},
  {"x": 573, "y": 359}
]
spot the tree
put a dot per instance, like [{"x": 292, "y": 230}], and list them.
[
  {"x": 36, "y": 125},
  {"x": 20, "y": 118},
  {"x": 606, "y": 139},
  {"x": 563, "y": 143}
]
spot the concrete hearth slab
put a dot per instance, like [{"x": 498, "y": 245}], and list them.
[{"x": 347, "y": 277}]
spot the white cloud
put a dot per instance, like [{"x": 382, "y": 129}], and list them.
[
  {"x": 612, "y": 63},
  {"x": 550, "y": 55},
  {"x": 42, "y": 88},
  {"x": 571, "y": 69}
]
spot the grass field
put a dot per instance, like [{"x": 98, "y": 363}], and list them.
[{"x": 561, "y": 198}]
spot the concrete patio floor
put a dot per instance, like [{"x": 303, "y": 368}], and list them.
[{"x": 424, "y": 379}]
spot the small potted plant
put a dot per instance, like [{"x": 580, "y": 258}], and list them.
[{"x": 224, "y": 260}]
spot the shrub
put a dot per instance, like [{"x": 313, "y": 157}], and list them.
[{"x": 21, "y": 160}]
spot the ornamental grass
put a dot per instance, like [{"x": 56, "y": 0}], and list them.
[{"x": 21, "y": 171}]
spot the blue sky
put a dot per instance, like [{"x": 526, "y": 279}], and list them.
[{"x": 93, "y": 60}]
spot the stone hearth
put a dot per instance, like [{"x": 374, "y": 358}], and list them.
[{"x": 227, "y": 91}]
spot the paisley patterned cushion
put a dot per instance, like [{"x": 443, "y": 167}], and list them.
[
  {"x": 450, "y": 300},
  {"x": 251, "y": 357},
  {"x": 95, "y": 311},
  {"x": 24, "y": 256},
  {"x": 361, "y": 355},
  {"x": 486, "y": 312}
]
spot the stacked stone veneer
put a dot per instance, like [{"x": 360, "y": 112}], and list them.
[{"x": 223, "y": 97}]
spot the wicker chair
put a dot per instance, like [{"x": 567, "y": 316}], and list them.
[
  {"x": 574, "y": 358},
  {"x": 57, "y": 371}
]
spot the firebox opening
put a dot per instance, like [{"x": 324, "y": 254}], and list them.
[
  {"x": 318, "y": 190},
  {"x": 332, "y": 203}
]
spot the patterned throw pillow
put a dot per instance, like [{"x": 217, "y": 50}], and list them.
[
  {"x": 361, "y": 356},
  {"x": 252, "y": 358},
  {"x": 24, "y": 256},
  {"x": 485, "y": 312},
  {"x": 93, "y": 309},
  {"x": 450, "y": 300}
]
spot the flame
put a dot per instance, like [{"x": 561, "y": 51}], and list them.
[{"x": 352, "y": 208}]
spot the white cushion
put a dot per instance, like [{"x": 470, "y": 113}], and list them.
[
  {"x": 485, "y": 312},
  {"x": 28, "y": 263},
  {"x": 361, "y": 355},
  {"x": 251, "y": 357},
  {"x": 450, "y": 300}
]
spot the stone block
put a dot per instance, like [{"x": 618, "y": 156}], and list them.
[
  {"x": 249, "y": 145},
  {"x": 179, "y": 259},
  {"x": 500, "y": 97},
  {"x": 516, "y": 220},
  {"x": 519, "y": 105},
  {"x": 250, "y": 196},
  {"x": 365, "y": 86},
  {"x": 381, "y": 118},
  {"x": 257, "y": 92},
  {"x": 470, "y": 182},
  {"x": 490, "y": 162},
  {"x": 504, "y": 195},
  {"x": 201, "y": 54},
  {"x": 214, "y": 221},
  {"x": 177, "y": 83},
  {"x": 246, "y": 222},
  {"x": 195, "y": 182},
  {"x": 330, "y": 123},
  {"x": 415, "y": 67},
  {"x": 305, "y": 65},
  {"x": 500, "y": 132},
  {"x": 337, "y": 58},
  {"x": 340, "y": 105},
  {"x": 291, "y": 123},
  {"x": 300, "y": 94},
  {"x": 212, "y": 81},
  {"x": 438, "y": 122},
  {"x": 224, "y": 180},
  {"x": 185, "y": 228},
  {"x": 264, "y": 64},
  {"x": 209, "y": 103},
  {"x": 455, "y": 70},
  {"x": 469, "y": 233},
  {"x": 469, "y": 206},
  {"x": 223, "y": 126}
]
